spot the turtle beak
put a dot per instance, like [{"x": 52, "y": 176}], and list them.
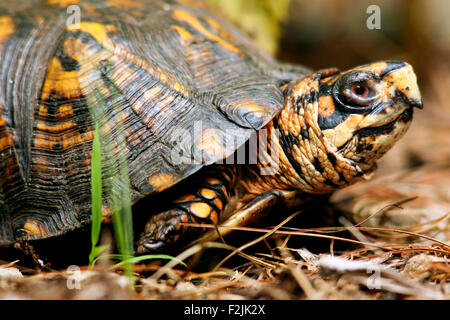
[{"x": 402, "y": 75}]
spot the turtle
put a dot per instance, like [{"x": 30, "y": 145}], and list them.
[{"x": 190, "y": 105}]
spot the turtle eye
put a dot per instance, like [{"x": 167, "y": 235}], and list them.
[
  {"x": 356, "y": 91},
  {"x": 360, "y": 90},
  {"x": 358, "y": 94}
]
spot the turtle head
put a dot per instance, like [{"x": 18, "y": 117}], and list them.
[
  {"x": 365, "y": 110},
  {"x": 338, "y": 124}
]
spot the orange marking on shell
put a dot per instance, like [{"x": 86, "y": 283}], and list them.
[
  {"x": 178, "y": 87},
  {"x": 64, "y": 111},
  {"x": 184, "y": 34},
  {"x": 68, "y": 142},
  {"x": 60, "y": 81},
  {"x": 7, "y": 28},
  {"x": 326, "y": 106},
  {"x": 43, "y": 111},
  {"x": 97, "y": 30},
  {"x": 191, "y": 20},
  {"x": 34, "y": 228},
  {"x": 124, "y": 3},
  {"x": 74, "y": 48},
  {"x": 150, "y": 94},
  {"x": 161, "y": 180},
  {"x": 58, "y": 128},
  {"x": 43, "y": 141},
  {"x": 252, "y": 107},
  {"x": 208, "y": 193},
  {"x": 5, "y": 142},
  {"x": 213, "y": 23},
  {"x": 62, "y": 3},
  {"x": 200, "y": 209}
]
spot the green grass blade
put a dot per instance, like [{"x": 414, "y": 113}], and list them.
[
  {"x": 133, "y": 260},
  {"x": 96, "y": 195}
]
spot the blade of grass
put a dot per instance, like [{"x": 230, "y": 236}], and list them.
[
  {"x": 133, "y": 260},
  {"x": 121, "y": 195},
  {"x": 96, "y": 197}
]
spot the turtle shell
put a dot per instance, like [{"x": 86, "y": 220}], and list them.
[{"x": 171, "y": 88}]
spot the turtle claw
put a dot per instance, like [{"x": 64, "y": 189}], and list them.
[
  {"x": 161, "y": 231},
  {"x": 150, "y": 246}
]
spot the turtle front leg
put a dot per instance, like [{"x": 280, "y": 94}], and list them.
[{"x": 202, "y": 201}]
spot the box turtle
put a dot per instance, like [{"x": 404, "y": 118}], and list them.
[{"x": 196, "y": 108}]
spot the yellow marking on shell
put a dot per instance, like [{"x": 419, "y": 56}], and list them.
[
  {"x": 97, "y": 30},
  {"x": 344, "y": 131},
  {"x": 161, "y": 75},
  {"x": 43, "y": 141},
  {"x": 124, "y": 3},
  {"x": 64, "y": 111},
  {"x": 57, "y": 128},
  {"x": 60, "y": 81},
  {"x": 43, "y": 111},
  {"x": 35, "y": 228},
  {"x": 62, "y": 3},
  {"x": 213, "y": 23},
  {"x": 75, "y": 48},
  {"x": 326, "y": 106},
  {"x": 7, "y": 28},
  {"x": 208, "y": 193},
  {"x": 77, "y": 139},
  {"x": 161, "y": 180},
  {"x": 178, "y": 87},
  {"x": 200, "y": 209},
  {"x": 2, "y": 120},
  {"x": 184, "y": 34},
  {"x": 191, "y": 20},
  {"x": 252, "y": 107},
  {"x": 151, "y": 93}
]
